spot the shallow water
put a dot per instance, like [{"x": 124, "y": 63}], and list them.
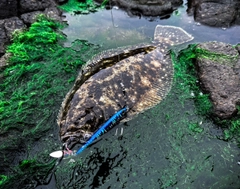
[
  {"x": 168, "y": 146},
  {"x": 115, "y": 28},
  {"x": 157, "y": 149}
]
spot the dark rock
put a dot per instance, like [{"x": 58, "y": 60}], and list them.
[
  {"x": 219, "y": 74},
  {"x": 3, "y": 37},
  {"x": 8, "y": 8},
  {"x": 4, "y": 62},
  {"x": 60, "y": 2},
  {"x": 54, "y": 13},
  {"x": 219, "y": 13},
  {"x": 146, "y": 7},
  {"x": 12, "y": 24},
  {"x": 215, "y": 14},
  {"x": 35, "y": 5},
  {"x": 29, "y": 18},
  {"x": 7, "y": 27}
]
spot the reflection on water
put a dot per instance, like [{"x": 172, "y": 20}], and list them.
[{"x": 115, "y": 28}]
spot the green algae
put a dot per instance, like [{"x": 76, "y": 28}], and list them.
[
  {"x": 39, "y": 74},
  {"x": 37, "y": 43},
  {"x": 81, "y": 7},
  {"x": 218, "y": 57},
  {"x": 215, "y": 56},
  {"x": 231, "y": 128},
  {"x": 186, "y": 75},
  {"x": 3, "y": 178}
]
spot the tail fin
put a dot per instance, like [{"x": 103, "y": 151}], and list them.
[{"x": 171, "y": 35}]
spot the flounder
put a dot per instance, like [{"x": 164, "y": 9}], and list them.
[{"x": 138, "y": 76}]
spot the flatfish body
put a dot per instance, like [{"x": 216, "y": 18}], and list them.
[{"x": 137, "y": 76}]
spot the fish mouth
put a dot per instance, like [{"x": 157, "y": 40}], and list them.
[{"x": 71, "y": 139}]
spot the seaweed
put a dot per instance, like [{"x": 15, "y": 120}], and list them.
[
  {"x": 83, "y": 7},
  {"x": 187, "y": 81}
]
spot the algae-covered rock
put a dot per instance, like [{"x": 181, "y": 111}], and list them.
[
  {"x": 51, "y": 12},
  {"x": 219, "y": 73},
  {"x": 7, "y": 27},
  {"x": 16, "y": 14}
]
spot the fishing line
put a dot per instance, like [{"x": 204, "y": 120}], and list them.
[{"x": 114, "y": 26}]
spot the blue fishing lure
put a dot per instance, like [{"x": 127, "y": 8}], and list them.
[{"x": 115, "y": 118}]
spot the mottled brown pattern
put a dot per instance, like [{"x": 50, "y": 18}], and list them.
[{"x": 139, "y": 77}]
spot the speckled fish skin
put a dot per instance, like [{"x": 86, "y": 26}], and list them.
[{"x": 138, "y": 76}]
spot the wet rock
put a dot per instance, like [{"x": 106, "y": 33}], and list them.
[
  {"x": 35, "y": 5},
  {"x": 12, "y": 24},
  {"x": 29, "y": 18},
  {"x": 219, "y": 13},
  {"x": 7, "y": 27},
  {"x": 219, "y": 74},
  {"x": 8, "y": 8},
  {"x": 146, "y": 7},
  {"x": 52, "y": 12},
  {"x": 60, "y": 2},
  {"x": 4, "y": 62},
  {"x": 3, "y": 38}
]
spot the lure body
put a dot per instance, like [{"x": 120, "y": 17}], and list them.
[{"x": 115, "y": 118}]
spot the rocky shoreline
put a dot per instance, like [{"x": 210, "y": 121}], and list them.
[
  {"x": 218, "y": 64},
  {"x": 19, "y": 14}
]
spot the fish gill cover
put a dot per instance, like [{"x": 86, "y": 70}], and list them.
[{"x": 40, "y": 71}]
